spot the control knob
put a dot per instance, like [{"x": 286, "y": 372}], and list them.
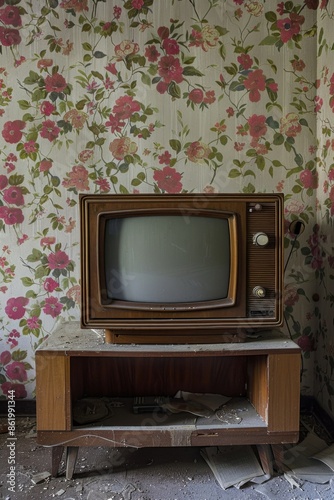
[
  {"x": 260, "y": 239},
  {"x": 259, "y": 291}
]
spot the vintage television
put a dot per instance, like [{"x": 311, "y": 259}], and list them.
[{"x": 181, "y": 268}]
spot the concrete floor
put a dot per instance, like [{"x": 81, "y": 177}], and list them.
[{"x": 131, "y": 474}]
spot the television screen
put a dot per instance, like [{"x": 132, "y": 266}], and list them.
[{"x": 167, "y": 258}]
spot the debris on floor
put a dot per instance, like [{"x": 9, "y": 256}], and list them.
[
  {"x": 232, "y": 465},
  {"x": 179, "y": 473}
]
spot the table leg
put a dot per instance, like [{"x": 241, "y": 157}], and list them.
[{"x": 71, "y": 458}]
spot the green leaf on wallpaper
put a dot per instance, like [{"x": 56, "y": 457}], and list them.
[
  {"x": 16, "y": 179},
  {"x": 99, "y": 55},
  {"x": 234, "y": 173},
  {"x": 19, "y": 355},
  {"x": 299, "y": 159},
  {"x": 269, "y": 40},
  {"x": 123, "y": 190},
  {"x": 293, "y": 171},
  {"x": 249, "y": 172},
  {"x": 297, "y": 189},
  {"x": 35, "y": 255},
  {"x": 32, "y": 78},
  {"x": 191, "y": 71},
  {"x": 27, "y": 282},
  {"x": 23, "y": 104},
  {"x": 260, "y": 162},
  {"x": 278, "y": 139},
  {"x": 175, "y": 145},
  {"x": 271, "y": 16},
  {"x": 146, "y": 80}
]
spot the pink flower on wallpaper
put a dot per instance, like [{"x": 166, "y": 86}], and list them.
[
  {"x": 255, "y": 82},
  {"x": 13, "y": 195},
  {"x": 58, "y": 260},
  {"x": 3, "y": 182},
  {"x": 151, "y": 53},
  {"x": 11, "y": 15},
  {"x": 245, "y": 61},
  {"x": 103, "y": 185},
  {"x": 50, "y": 284},
  {"x": 289, "y": 125},
  {"x": 137, "y": 4},
  {"x": 45, "y": 165},
  {"x": 164, "y": 158},
  {"x": 11, "y": 215},
  {"x": 12, "y": 131},
  {"x": 75, "y": 5},
  {"x": 290, "y": 26},
  {"x": 196, "y": 96},
  {"x": 47, "y": 241},
  {"x": 49, "y": 130},
  {"x": 309, "y": 179},
  {"x": 306, "y": 343},
  {"x": 44, "y": 63},
  {"x": 122, "y": 147},
  {"x": 77, "y": 178},
  {"x": 168, "y": 180},
  {"x": 19, "y": 390},
  {"x": 17, "y": 371},
  {"x": 74, "y": 293},
  {"x": 15, "y": 308},
  {"x": 115, "y": 123},
  {"x": 52, "y": 307},
  {"x": 198, "y": 152},
  {"x": 9, "y": 37},
  {"x": 126, "y": 48},
  {"x": 170, "y": 46},
  {"x": 33, "y": 323},
  {"x": 169, "y": 69},
  {"x": 257, "y": 126},
  {"x": 5, "y": 357},
  {"x": 125, "y": 107},
  {"x": 55, "y": 83},
  {"x": 47, "y": 108}
]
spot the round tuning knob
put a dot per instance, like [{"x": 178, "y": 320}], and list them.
[
  {"x": 259, "y": 291},
  {"x": 260, "y": 239}
]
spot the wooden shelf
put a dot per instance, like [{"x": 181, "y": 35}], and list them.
[{"x": 261, "y": 376}]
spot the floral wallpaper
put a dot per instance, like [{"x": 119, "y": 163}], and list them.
[{"x": 165, "y": 97}]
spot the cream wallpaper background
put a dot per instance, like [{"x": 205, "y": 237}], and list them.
[{"x": 161, "y": 96}]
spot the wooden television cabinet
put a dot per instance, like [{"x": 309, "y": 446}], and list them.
[{"x": 262, "y": 377}]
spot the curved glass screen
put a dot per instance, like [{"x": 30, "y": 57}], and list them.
[{"x": 167, "y": 258}]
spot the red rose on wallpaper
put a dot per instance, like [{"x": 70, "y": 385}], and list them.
[
  {"x": 55, "y": 83},
  {"x": 13, "y": 195},
  {"x": 170, "y": 69},
  {"x": 11, "y": 15},
  {"x": 77, "y": 178},
  {"x": 255, "y": 82},
  {"x": 9, "y": 37},
  {"x": 168, "y": 179},
  {"x": 15, "y": 308},
  {"x": 12, "y": 131},
  {"x": 58, "y": 260},
  {"x": 125, "y": 106},
  {"x": 11, "y": 215},
  {"x": 290, "y": 26},
  {"x": 257, "y": 126},
  {"x": 3, "y": 182},
  {"x": 19, "y": 389},
  {"x": 52, "y": 307},
  {"x": 49, "y": 130},
  {"x": 17, "y": 371}
]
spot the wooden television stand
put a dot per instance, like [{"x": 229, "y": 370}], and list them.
[{"x": 261, "y": 376}]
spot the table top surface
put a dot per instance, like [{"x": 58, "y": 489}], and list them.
[{"x": 70, "y": 338}]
